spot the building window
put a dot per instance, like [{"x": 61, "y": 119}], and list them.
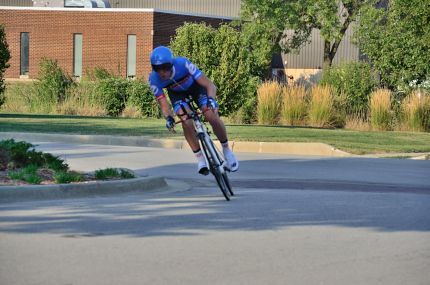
[
  {"x": 131, "y": 56},
  {"x": 77, "y": 55},
  {"x": 24, "y": 54}
]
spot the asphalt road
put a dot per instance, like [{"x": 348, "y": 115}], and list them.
[{"x": 294, "y": 220}]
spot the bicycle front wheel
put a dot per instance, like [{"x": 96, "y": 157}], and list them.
[{"x": 215, "y": 166}]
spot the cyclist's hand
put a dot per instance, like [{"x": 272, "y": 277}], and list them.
[
  {"x": 210, "y": 104},
  {"x": 170, "y": 123}
]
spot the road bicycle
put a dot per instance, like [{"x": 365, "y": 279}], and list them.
[{"x": 218, "y": 166}]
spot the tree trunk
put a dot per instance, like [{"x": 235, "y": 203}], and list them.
[{"x": 327, "y": 59}]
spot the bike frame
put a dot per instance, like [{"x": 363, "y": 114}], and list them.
[{"x": 212, "y": 155}]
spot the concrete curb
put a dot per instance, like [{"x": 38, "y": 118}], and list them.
[
  {"x": 78, "y": 190},
  {"x": 319, "y": 149}
]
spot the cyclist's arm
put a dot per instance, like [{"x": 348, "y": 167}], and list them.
[
  {"x": 165, "y": 106},
  {"x": 208, "y": 84}
]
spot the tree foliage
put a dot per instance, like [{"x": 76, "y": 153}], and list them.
[
  {"x": 397, "y": 41},
  {"x": 4, "y": 58},
  {"x": 289, "y": 23},
  {"x": 222, "y": 55}
]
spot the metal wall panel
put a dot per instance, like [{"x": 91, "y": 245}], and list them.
[
  {"x": 25, "y": 3},
  {"x": 223, "y": 8},
  {"x": 312, "y": 55}
]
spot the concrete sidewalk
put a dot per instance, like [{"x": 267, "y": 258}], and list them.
[
  {"x": 289, "y": 148},
  {"x": 319, "y": 149}
]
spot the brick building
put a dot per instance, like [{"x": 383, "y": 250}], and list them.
[{"x": 119, "y": 40}]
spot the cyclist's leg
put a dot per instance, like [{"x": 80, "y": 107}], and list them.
[
  {"x": 189, "y": 133},
  {"x": 211, "y": 115},
  {"x": 217, "y": 124}
]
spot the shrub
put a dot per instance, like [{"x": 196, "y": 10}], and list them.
[
  {"x": 52, "y": 85},
  {"x": 67, "y": 177},
  {"x": 221, "y": 55},
  {"x": 294, "y": 105},
  {"x": 380, "y": 109},
  {"x": 321, "y": 109},
  {"x": 112, "y": 94},
  {"x": 416, "y": 111},
  {"x": 353, "y": 80},
  {"x": 97, "y": 73},
  {"x": 28, "y": 174},
  {"x": 141, "y": 97},
  {"x": 269, "y": 103},
  {"x": 109, "y": 173},
  {"x": 23, "y": 153}
]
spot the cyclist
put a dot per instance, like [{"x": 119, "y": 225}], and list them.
[{"x": 182, "y": 78}]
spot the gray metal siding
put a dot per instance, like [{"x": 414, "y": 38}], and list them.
[
  {"x": 312, "y": 55},
  {"x": 25, "y": 3},
  {"x": 223, "y": 8}
]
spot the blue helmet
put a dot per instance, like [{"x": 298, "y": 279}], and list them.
[{"x": 161, "y": 55}]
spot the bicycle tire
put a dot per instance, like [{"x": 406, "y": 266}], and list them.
[
  {"x": 224, "y": 175},
  {"x": 215, "y": 167}
]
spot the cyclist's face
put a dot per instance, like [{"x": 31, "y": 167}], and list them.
[{"x": 164, "y": 71}]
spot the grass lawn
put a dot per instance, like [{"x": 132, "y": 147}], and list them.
[{"x": 357, "y": 142}]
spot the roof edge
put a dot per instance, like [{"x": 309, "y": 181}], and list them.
[{"x": 115, "y": 10}]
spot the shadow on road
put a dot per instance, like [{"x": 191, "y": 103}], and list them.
[{"x": 203, "y": 209}]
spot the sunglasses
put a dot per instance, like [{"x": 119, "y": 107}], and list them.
[{"x": 164, "y": 67}]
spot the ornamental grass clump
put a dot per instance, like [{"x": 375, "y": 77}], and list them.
[
  {"x": 269, "y": 103},
  {"x": 380, "y": 110},
  {"x": 294, "y": 106},
  {"x": 321, "y": 109},
  {"x": 416, "y": 111}
]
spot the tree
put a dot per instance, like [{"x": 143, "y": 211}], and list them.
[
  {"x": 222, "y": 55},
  {"x": 289, "y": 23},
  {"x": 397, "y": 41},
  {"x": 4, "y": 58}
]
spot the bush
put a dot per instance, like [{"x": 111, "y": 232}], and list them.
[
  {"x": 109, "y": 173},
  {"x": 21, "y": 154},
  {"x": 353, "y": 80},
  {"x": 112, "y": 94},
  {"x": 221, "y": 55},
  {"x": 67, "y": 177},
  {"x": 380, "y": 110},
  {"x": 269, "y": 103},
  {"x": 294, "y": 106},
  {"x": 416, "y": 111},
  {"x": 321, "y": 109},
  {"x": 28, "y": 174},
  {"x": 97, "y": 73},
  {"x": 52, "y": 85},
  {"x": 141, "y": 97}
]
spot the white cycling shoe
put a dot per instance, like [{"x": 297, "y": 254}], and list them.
[
  {"x": 233, "y": 164},
  {"x": 202, "y": 167}
]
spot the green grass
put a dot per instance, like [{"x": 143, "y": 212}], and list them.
[
  {"x": 28, "y": 174},
  {"x": 358, "y": 142}
]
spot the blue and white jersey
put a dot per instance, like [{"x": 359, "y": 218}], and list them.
[{"x": 184, "y": 74}]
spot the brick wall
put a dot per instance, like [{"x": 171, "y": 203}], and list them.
[{"x": 104, "y": 36}]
